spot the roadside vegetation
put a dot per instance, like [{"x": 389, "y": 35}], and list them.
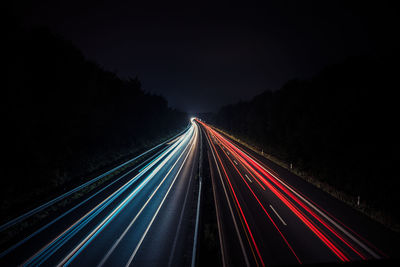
[
  {"x": 67, "y": 120},
  {"x": 337, "y": 130}
]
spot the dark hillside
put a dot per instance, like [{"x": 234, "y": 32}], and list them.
[
  {"x": 338, "y": 127},
  {"x": 65, "y": 117}
]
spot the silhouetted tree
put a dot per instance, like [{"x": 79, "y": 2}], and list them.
[
  {"x": 64, "y": 117},
  {"x": 339, "y": 126}
]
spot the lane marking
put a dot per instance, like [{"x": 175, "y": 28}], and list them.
[
  {"x": 240, "y": 212},
  {"x": 59, "y": 198},
  {"x": 230, "y": 209},
  {"x": 196, "y": 230},
  {"x": 116, "y": 243},
  {"x": 157, "y": 211},
  {"x": 361, "y": 244},
  {"x": 235, "y": 162},
  {"x": 78, "y": 205},
  {"x": 67, "y": 234},
  {"x": 117, "y": 210},
  {"x": 239, "y": 209},
  {"x": 276, "y": 213},
  {"x": 248, "y": 178},
  {"x": 217, "y": 209},
  {"x": 178, "y": 229},
  {"x": 269, "y": 217},
  {"x": 298, "y": 213}
]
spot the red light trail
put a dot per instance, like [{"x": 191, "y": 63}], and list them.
[
  {"x": 286, "y": 194},
  {"x": 240, "y": 208}
]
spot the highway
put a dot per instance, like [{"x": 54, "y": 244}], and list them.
[
  {"x": 145, "y": 216},
  {"x": 268, "y": 216},
  {"x": 148, "y": 214}
]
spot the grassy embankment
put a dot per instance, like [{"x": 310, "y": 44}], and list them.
[
  {"x": 372, "y": 212},
  {"x": 10, "y": 235}
]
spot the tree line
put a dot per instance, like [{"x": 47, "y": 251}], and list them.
[
  {"x": 339, "y": 126},
  {"x": 64, "y": 116}
]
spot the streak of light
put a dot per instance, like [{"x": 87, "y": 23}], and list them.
[
  {"x": 244, "y": 158},
  {"x": 158, "y": 209},
  {"x": 77, "y": 206},
  {"x": 70, "y": 257},
  {"x": 265, "y": 211},
  {"x": 240, "y": 209},
  {"x": 257, "y": 170},
  {"x": 59, "y": 198},
  {"x": 45, "y": 252},
  {"x": 231, "y": 211}
]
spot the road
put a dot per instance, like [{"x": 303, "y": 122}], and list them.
[
  {"x": 268, "y": 216},
  {"x": 145, "y": 216}
]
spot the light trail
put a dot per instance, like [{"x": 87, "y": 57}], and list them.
[
  {"x": 224, "y": 262},
  {"x": 314, "y": 215},
  {"x": 158, "y": 209},
  {"x": 256, "y": 170},
  {"x": 61, "y": 197},
  {"x": 298, "y": 213},
  {"x": 146, "y": 193},
  {"x": 41, "y": 229},
  {"x": 240, "y": 208},
  {"x": 268, "y": 215},
  {"x": 49, "y": 249},
  {"x": 326, "y": 213},
  {"x": 196, "y": 229},
  {"x": 268, "y": 175},
  {"x": 116, "y": 243}
]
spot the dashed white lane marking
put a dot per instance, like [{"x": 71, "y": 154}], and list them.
[
  {"x": 248, "y": 178},
  {"x": 280, "y": 218}
]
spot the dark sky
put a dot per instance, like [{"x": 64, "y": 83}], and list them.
[{"x": 201, "y": 57}]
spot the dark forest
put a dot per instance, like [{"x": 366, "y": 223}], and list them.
[
  {"x": 337, "y": 126},
  {"x": 66, "y": 118},
  {"x": 200, "y": 134}
]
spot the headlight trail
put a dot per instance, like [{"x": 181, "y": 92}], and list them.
[
  {"x": 77, "y": 206},
  {"x": 76, "y": 189},
  {"x": 143, "y": 215},
  {"x": 47, "y": 251}
]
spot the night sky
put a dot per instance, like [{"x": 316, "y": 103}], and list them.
[{"x": 201, "y": 57}]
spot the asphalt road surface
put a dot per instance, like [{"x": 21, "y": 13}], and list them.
[
  {"x": 148, "y": 215},
  {"x": 145, "y": 216},
  {"x": 268, "y": 216}
]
